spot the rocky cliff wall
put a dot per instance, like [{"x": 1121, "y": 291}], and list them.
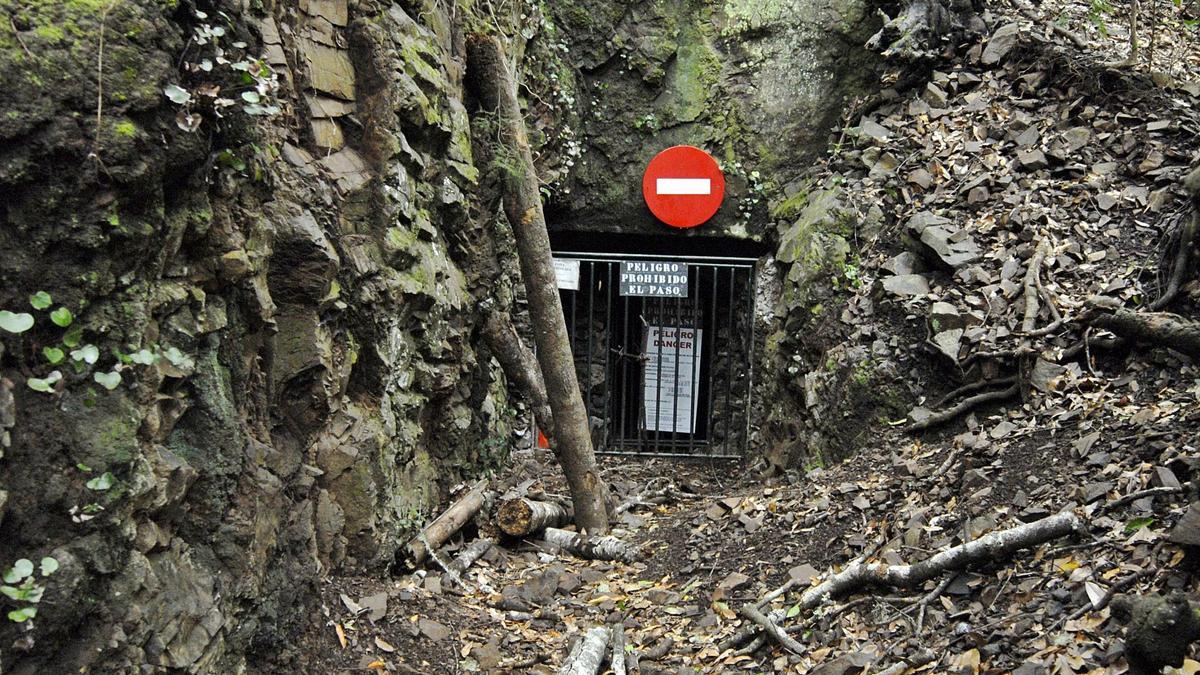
[
  {"x": 268, "y": 228},
  {"x": 758, "y": 83}
]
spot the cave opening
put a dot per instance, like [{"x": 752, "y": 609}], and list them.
[{"x": 662, "y": 333}]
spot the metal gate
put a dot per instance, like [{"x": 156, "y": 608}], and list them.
[{"x": 668, "y": 374}]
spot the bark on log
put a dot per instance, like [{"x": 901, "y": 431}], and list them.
[
  {"x": 860, "y": 575},
  {"x": 617, "y": 662},
  {"x": 468, "y": 556},
  {"x": 588, "y": 654},
  {"x": 445, "y": 525},
  {"x": 519, "y": 366},
  {"x": 1162, "y": 328},
  {"x": 497, "y": 90},
  {"x": 523, "y": 517},
  {"x": 992, "y": 546},
  {"x": 591, "y": 548}
]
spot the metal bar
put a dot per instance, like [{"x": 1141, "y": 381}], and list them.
[
  {"x": 695, "y": 321},
  {"x": 712, "y": 361},
  {"x": 658, "y": 375},
  {"x": 571, "y": 332},
  {"x": 752, "y": 291},
  {"x": 624, "y": 370},
  {"x": 617, "y": 257},
  {"x": 675, "y": 388},
  {"x": 729, "y": 348},
  {"x": 678, "y": 455},
  {"x": 587, "y": 365},
  {"x": 608, "y": 343}
]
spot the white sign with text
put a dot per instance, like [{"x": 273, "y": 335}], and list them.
[{"x": 673, "y": 360}]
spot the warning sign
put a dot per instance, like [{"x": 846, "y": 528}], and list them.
[
  {"x": 671, "y": 389},
  {"x": 566, "y": 272},
  {"x": 652, "y": 279}
]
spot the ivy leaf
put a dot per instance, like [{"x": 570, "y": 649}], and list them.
[
  {"x": 49, "y": 566},
  {"x": 23, "y": 614},
  {"x": 62, "y": 317},
  {"x": 101, "y": 483},
  {"x": 177, "y": 94},
  {"x": 40, "y": 300},
  {"x": 73, "y": 337},
  {"x": 89, "y": 354},
  {"x": 251, "y": 97},
  {"x": 109, "y": 381},
  {"x": 15, "y": 323},
  {"x": 143, "y": 357},
  {"x": 54, "y": 355},
  {"x": 44, "y": 384},
  {"x": 20, "y": 569},
  {"x": 1137, "y": 524}
]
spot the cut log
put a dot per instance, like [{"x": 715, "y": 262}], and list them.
[
  {"x": 1161, "y": 328},
  {"x": 591, "y": 548},
  {"x": 496, "y": 88},
  {"x": 523, "y": 517},
  {"x": 444, "y": 526},
  {"x": 588, "y": 654}
]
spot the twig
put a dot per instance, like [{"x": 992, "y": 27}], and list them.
[
  {"x": 929, "y": 597},
  {"x": 1140, "y": 494},
  {"x": 916, "y": 661},
  {"x": 772, "y": 630},
  {"x": 100, "y": 80},
  {"x": 12, "y": 22}
]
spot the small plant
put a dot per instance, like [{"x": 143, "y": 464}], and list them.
[{"x": 21, "y": 586}]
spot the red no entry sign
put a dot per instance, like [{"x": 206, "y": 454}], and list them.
[{"x": 683, "y": 186}]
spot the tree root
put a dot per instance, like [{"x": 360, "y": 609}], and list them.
[
  {"x": 964, "y": 406},
  {"x": 1162, "y": 328}
]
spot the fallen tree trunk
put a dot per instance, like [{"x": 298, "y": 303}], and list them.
[
  {"x": 591, "y": 548},
  {"x": 588, "y": 654},
  {"x": 988, "y": 547},
  {"x": 497, "y": 90},
  {"x": 523, "y": 517},
  {"x": 519, "y": 366},
  {"x": 445, "y": 525},
  {"x": 862, "y": 575},
  {"x": 1161, "y": 328}
]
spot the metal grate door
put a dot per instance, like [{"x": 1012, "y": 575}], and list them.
[{"x": 664, "y": 376}]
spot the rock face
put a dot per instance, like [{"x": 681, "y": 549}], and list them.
[
  {"x": 758, "y": 83},
  {"x": 281, "y": 299}
]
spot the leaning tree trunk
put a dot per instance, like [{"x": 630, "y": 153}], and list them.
[
  {"x": 519, "y": 367},
  {"x": 497, "y": 90}
]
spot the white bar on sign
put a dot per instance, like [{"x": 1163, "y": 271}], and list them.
[{"x": 684, "y": 186}]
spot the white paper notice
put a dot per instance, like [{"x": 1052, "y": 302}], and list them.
[
  {"x": 567, "y": 273},
  {"x": 674, "y": 361}
]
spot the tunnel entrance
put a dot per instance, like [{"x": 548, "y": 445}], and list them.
[{"x": 663, "y": 346}]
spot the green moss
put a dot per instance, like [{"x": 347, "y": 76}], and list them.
[
  {"x": 125, "y": 128},
  {"x": 50, "y": 32}
]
